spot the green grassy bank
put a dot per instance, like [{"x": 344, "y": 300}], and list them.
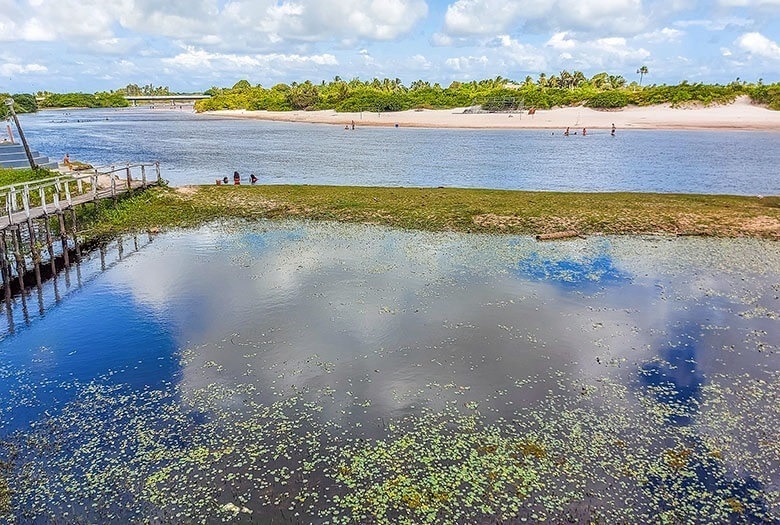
[
  {"x": 450, "y": 209},
  {"x": 14, "y": 176}
]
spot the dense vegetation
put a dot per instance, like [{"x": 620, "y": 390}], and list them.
[
  {"x": 103, "y": 99},
  {"x": 23, "y": 103},
  {"x": 566, "y": 89}
]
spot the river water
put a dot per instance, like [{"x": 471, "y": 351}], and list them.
[
  {"x": 196, "y": 149},
  {"x": 290, "y": 372}
]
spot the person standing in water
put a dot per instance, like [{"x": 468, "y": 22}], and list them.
[
  {"x": 566, "y": 133},
  {"x": 584, "y": 132},
  {"x": 613, "y": 129},
  {"x": 236, "y": 178},
  {"x": 253, "y": 178}
]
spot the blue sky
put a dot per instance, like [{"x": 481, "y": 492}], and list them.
[{"x": 89, "y": 45}]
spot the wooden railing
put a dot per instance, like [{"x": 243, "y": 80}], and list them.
[{"x": 54, "y": 193}]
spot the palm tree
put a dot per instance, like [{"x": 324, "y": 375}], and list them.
[
  {"x": 600, "y": 80},
  {"x": 642, "y": 71}
]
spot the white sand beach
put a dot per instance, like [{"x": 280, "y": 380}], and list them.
[{"x": 741, "y": 115}]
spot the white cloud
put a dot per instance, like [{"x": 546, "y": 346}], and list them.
[
  {"x": 313, "y": 20},
  {"x": 759, "y": 45},
  {"x": 193, "y": 58},
  {"x": 10, "y": 69},
  {"x": 749, "y": 3},
  {"x": 602, "y": 53},
  {"x": 467, "y": 64},
  {"x": 716, "y": 24},
  {"x": 485, "y": 17},
  {"x": 239, "y": 23},
  {"x": 666, "y": 34}
]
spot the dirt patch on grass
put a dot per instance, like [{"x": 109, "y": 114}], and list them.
[
  {"x": 761, "y": 226},
  {"x": 547, "y": 224},
  {"x": 187, "y": 190}
]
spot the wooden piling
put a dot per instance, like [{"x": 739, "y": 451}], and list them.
[
  {"x": 21, "y": 268},
  {"x": 6, "y": 271},
  {"x": 20, "y": 249},
  {"x": 74, "y": 229},
  {"x": 34, "y": 252},
  {"x": 63, "y": 238},
  {"x": 49, "y": 245}
]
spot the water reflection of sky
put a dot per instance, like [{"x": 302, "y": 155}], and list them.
[
  {"x": 383, "y": 323},
  {"x": 574, "y": 274}
]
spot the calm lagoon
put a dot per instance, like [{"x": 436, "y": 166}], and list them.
[
  {"x": 197, "y": 149},
  {"x": 276, "y": 372}
]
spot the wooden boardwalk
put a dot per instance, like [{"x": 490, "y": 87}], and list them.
[
  {"x": 36, "y": 199},
  {"x": 37, "y": 213},
  {"x": 20, "y": 217}
]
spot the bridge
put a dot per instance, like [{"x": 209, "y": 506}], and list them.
[
  {"x": 165, "y": 98},
  {"x": 32, "y": 210}
]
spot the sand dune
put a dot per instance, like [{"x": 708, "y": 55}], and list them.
[{"x": 741, "y": 115}]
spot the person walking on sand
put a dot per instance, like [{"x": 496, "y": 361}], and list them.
[{"x": 236, "y": 178}]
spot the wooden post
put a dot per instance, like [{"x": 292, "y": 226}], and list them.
[
  {"x": 129, "y": 179},
  {"x": 5, "y": 269},
  {"x": 42, "y": 195},
  {"x": 49, "y": 245},
  {"x": 36, "y": 255},
  {"x": 20, "y": 266},
  {"x": 159, "y": 175},
  {"x": 113, "y": 186},
  {"x": 143, "y": 175},
  {"x": 63, "y": 238},
  {"x": 74, "y": 229}
]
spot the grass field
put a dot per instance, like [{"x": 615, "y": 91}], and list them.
[
  {"x": 450, "y": 209},
  {"x": 13, "y": 176}
]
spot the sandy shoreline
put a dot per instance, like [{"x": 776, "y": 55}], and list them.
[{"x": 741, "y": 115}]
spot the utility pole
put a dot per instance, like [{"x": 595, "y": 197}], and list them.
[{"x": 10, "y": 103}]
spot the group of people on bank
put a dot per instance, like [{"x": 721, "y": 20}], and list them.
[{"x": 237, "y": 179}]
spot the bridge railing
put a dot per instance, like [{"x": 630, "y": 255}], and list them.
[{"x": 52, "y": 193}]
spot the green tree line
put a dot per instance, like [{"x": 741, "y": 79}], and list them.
[
  {"x": 29, "y": 103},
  {"x": 603, "y": 91}
]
